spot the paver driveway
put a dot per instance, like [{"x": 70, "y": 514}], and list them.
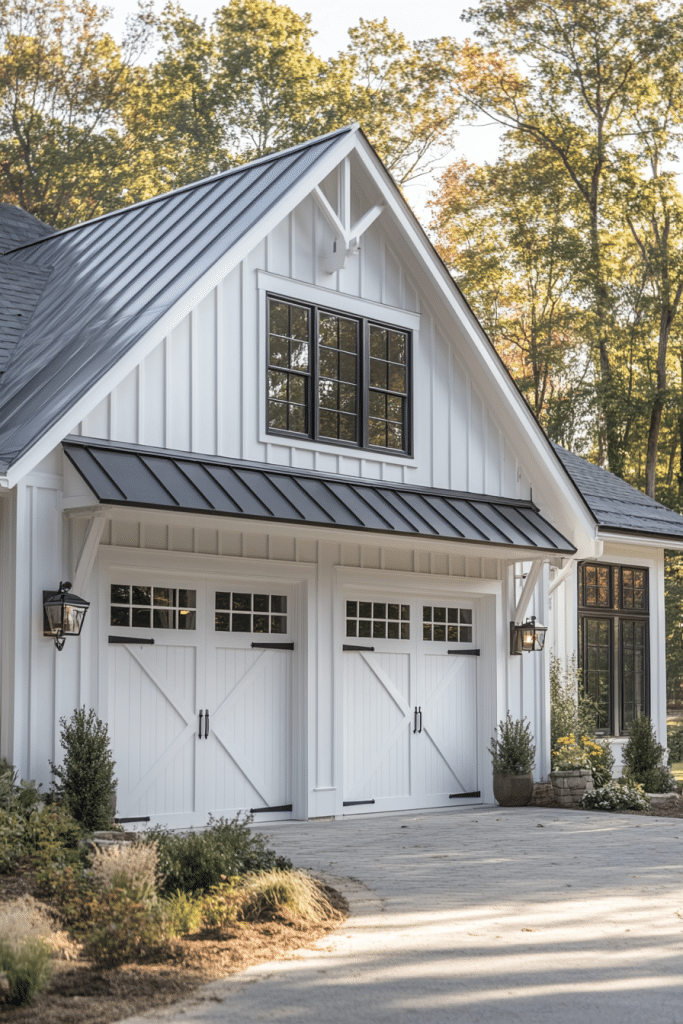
[{"x": 480, "y": 914}]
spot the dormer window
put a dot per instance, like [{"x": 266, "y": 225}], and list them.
[{"x": 337, "y": 378}]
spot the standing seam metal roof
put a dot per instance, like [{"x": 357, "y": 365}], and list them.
[
  {"x": 114, "y": 277},
  {"x": 121, "y": 474}
]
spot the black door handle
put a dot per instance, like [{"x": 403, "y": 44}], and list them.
[
  {"x": 201, "y": 715},
  {"x": 206, "y": 724},
  {"x": 414, "y": 721},
  {"x": 420, "y": 711}
]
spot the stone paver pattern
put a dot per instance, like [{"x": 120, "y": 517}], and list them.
[{"x": 481, "y": 914}]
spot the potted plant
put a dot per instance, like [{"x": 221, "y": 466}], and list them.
[{"x": 513, "y": 753}]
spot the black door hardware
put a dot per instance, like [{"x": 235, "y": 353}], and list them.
[
  {"x": 355, "y": 647},
  {"x": 205, "y": 716},
  {"x": 419, "y": 711},
  {"x": 124, "y": 821},
  {"x": 201, "y": 716},
  {"x": 452, "y": 795},
  {"x": 131, "y": 640},
  {"x": 275, "y": 647},
  {"x": 356, "y": 803},
  {"x": 265, "y": 810},
  {"x": 415, "y": 720},
  {"x": 475, "y": 652}
]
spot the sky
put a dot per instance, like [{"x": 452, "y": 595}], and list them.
[{"x": 331, "y": 19}]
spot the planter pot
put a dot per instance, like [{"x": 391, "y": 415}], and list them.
[
  {"x": 569, "y": 787},
  {"x": 513, "y": 790}
]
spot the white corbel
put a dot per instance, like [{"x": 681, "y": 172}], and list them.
[
  {"x": 564, "y": 574},
  {"x": 530, "y": 582},
  {"x": 88, "y": 555},
  {"x": 347, "y": 236}
]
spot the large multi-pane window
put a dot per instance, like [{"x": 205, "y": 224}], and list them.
[
  {"x": 339, "y": 378},
  {"x": 614, "y": 642}
]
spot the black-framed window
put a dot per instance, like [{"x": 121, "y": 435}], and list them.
[
  {"x": 614, "y": 642},
  {"x": 338, "y": 378}
]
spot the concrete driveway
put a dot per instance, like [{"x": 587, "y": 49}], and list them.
[{"x": 477, "y": 915}]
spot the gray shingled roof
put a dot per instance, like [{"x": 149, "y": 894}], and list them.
[
  {"x": 126, "y": 474},
  {"x": 17, "y": 227},
  {"x": 113, "y": 278},
  {"x": 617, "y": 505}
]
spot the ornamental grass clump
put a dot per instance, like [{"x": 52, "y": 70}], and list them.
[
  {"x": 289, "y": 896},
  {"x": 512, "y": 749},
  {"x": 25, "y": 955}
]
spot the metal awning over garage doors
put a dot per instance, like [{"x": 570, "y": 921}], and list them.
[{"x": 120, "y": 474}]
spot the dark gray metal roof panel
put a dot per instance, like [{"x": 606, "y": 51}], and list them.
[
  {"x": 21, "y": 286},
  {"x": 114, "y": 277},
  {"x": 17, "y": 227},
  {"x": 134, "y": 475},
  {"x": 617, "y": 505}
]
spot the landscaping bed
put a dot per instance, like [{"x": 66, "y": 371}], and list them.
[{"x": 81, "y": 992}]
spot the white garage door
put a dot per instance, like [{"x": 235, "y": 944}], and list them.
[
  {"x": 410, "y": 704},
  {"x": 200, "y": 700}
]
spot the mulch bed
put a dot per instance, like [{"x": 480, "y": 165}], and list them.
[{"x": 81, "y": 993}]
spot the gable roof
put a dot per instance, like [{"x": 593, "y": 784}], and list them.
[
  {"x": 127, "y": 474},
  {"x": 17, "y": 227},
  {"x": 114, "y": 277},
  {"x": 616, "y": 505}
]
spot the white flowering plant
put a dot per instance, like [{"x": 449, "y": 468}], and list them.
[{"x": 617, "y": 795}]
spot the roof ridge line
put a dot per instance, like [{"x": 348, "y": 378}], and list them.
[{"x": 270, "y": 157}]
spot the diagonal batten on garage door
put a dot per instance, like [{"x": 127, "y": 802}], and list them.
[{"x": 121, "y": 474}]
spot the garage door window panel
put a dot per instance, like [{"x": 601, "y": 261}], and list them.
[
  {"x": 147, "y": 607},
  {"x": 240, "y": 612}
]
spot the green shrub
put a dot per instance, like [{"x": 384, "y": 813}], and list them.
[
  {"x": 643, "y": 757},
  {"x": 616, "y": 796},
  {"x": 46, "y": 837},
  {"x": 675, "y": 743},
  {"x": 513, "y": 750},
  {"x": 220, "y": 905},
  {"x": 126, "y": 928},
  {"x": 196, "y": 861},
  {"x": 654, "y": 780},
  {"x": 184, "y": 912},
  {"x": 86, "y": 777}
]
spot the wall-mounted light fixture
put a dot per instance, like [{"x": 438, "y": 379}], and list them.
[
  {"x": 527, "y": 636},
  {"x": 63, "y": 614}
]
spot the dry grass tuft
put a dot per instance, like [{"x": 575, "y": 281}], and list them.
[
  {"x": 289, "y": 896},
  {"x": 133, "y": 867}
]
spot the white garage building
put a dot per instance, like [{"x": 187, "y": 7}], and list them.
[{"x": 258, "y": 428}]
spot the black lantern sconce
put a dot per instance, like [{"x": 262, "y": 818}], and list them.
[
  {"x": 527, "y": 636},
  {"x": 63, "y": 614}
]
